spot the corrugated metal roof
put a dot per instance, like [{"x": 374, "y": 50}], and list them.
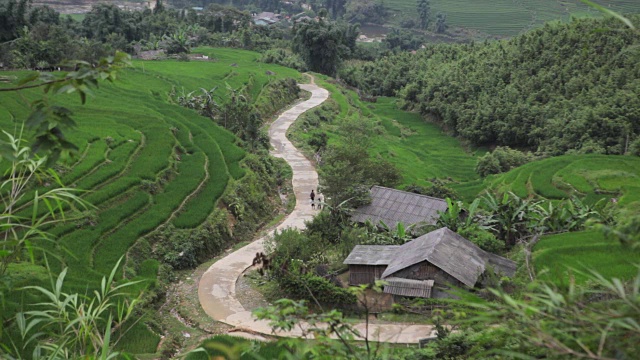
[
  {"x": 393, "y": 206},
  {"x": 371, "y": 255},
  {"x": 450, "y": 252},
  {"x": 408, "y": 287}
]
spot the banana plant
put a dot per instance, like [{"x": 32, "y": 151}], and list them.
[{"x": 510, "y": 215}]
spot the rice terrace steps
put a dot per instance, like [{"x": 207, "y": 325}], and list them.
[
  {"x": 142, "y": 161},
  {"x": 217, "y": 287}
]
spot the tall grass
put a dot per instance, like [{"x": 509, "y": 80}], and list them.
[{"x": 558, "y": 258}]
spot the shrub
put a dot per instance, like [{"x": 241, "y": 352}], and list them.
[
  {"x": 285, "y": 58},
  {"x": 502, "y": 159},
  {"x": 305, "y": 285},
  {"x": 438, "y": 189},
  {"x": 483, "y": 238}
]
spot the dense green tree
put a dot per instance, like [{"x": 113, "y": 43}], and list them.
[
  {"x": 324, "y": 44},
  {"x": 441, "y": 23},
  {"x": 13, "y": 18},
  {"x": 44, "y": 14},
  {"x": 502, "y": 159},
  {"x": 365, "y": 11},
  {"x": 401, "y": 39},
  {"x": 562, "y": 88},
  {"x": 348, "y": 173},
  {"x": 104, "y": 20},
  {"x": 424, "y": 12},
  {"x": 335, "y": 8}
]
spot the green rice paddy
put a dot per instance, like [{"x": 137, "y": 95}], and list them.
[
  {"x": 558, "y": 258},
  {"x": 593, "y": 177},
  {"x": 131, "y": 137},
  {"x": 510, "y": 17},
  {"x": 420, "y": 150},
  {"x": 589, "y": 176}
]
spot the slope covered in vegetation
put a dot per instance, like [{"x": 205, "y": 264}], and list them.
[
  {"x": 420, "y": 151},
  {"x": 151, "y": 167},
  {"x": 561, "y": 88},
  {"x": 506, "y": 17}
]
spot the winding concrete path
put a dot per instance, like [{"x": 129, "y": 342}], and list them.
[{"x": 217, "y": 287}]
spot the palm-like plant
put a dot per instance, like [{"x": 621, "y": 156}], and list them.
[
  {"x": 570, "y": 215},
  {"x": 511, "y": 216},
  {"x": 456, "y": 217}
]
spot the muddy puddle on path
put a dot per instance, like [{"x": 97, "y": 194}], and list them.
[{"x": 249, "y": 297}]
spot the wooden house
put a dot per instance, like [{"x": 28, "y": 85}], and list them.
[
  {"x": 393, "y": 206},
  {"x": 424, "y": 266}
]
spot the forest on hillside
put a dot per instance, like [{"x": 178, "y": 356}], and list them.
[{"x": 559, "y": 89}]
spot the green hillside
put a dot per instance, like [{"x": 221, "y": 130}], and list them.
[
  {"x": 557, "y": 257},
  {"x": 146, "y": 162},
  {"x": 420, "y": 150},
  {"x": 510, "y": 17},
  {"x": 590, "y": 176}
]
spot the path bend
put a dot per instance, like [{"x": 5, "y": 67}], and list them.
[{"x": 217, "y": 287}]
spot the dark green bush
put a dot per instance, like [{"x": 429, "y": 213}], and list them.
[
  {"x": 284, "y": 57},
  {"x": 502, "y": 159}
]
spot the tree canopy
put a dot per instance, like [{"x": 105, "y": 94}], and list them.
[
  {"x": 561, "y": 88},
  {"x": 324, "y": 44}
]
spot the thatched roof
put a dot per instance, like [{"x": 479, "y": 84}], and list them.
[
  {"x": 393, "y": 206},
  {"x": 371, "y": 255},
  {"x": 450, "y": 252},
  {"x": 408, "y": 287}
]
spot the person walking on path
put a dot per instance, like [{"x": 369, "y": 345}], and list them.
[
  {"x": 313, "y": 197},
  {"x": 320, "y": 203}
]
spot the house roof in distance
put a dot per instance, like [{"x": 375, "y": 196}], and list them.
[
  {"x": 371, "y": 255},
  {"x": 450, "y": 252},
  {"x": 393, "y": 206}
]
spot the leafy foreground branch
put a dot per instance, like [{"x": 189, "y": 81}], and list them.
[
  {"x": 599, "y": 321},
  {"x": 26, "y": 212},
  {"x": 70, "y": 325},
  {"x": 49, "y": 121}
]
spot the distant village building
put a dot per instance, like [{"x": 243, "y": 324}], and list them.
[
  {"x": 303, "y": 18},
  {"x": 393, "y": 206},
  {"x": 266, "y": 18},
  {"x": 425, "y": 266}
]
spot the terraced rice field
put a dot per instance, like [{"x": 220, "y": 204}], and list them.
[
  {"x": 420, "y": 150},
  {"x": 133, "y": 140},
  {"x": 590, "y": 176},
  {"x": 593, "y": 177},
  {"x": 557, "y": 258},
  {"x": 511, "y": 17}
]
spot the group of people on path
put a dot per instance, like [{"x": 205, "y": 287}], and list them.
[{"x": 319, "y": 202}]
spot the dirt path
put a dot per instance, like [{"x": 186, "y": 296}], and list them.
[{"x": 217, "y": 287}]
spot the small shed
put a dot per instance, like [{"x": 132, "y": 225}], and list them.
[
  {"x": 408, "y": 287},
  {"x": 368, "y": 262},
  {"x": 393, "y": 206},
  {"x": 438, "y": 259}
]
